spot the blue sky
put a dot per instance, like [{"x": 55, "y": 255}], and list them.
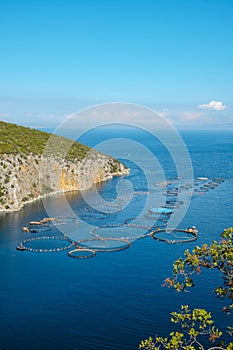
[{"x": 172, "y": 55}]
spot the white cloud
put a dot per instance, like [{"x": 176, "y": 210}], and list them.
[{"x": 214, "y": 105}]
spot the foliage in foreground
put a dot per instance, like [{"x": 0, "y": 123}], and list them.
[
  {"x": 197, "y": 323},
  {"x": 194, "y": 324},
  {"x": 217, "y": 255}
]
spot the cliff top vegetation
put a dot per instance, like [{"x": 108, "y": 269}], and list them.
[{"x": 16, "y": 139}]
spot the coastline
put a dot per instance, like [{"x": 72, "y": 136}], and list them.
[{"x": 41, "y": 196}]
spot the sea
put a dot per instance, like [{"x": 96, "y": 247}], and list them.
[{"x": 116, "y": 298}]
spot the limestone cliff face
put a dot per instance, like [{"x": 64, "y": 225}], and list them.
[{"x": 24, "y": 178}]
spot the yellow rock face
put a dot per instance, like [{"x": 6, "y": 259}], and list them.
[{"x": 68, "y": 183}]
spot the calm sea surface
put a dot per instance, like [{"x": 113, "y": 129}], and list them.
[{"x": 112, "y": 301}]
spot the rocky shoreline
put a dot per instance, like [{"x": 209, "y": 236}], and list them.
[{"x": 25, "y": 178}]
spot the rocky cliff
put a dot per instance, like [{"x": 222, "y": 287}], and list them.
[{"x": 25, "y": 176}]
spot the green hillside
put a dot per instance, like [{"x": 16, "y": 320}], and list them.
[{"x": 19, "y": 139}]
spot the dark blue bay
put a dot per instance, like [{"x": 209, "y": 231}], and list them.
[{"x": 49, "y": 301}]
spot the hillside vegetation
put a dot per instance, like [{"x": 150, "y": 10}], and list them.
[{"x": 19, "y": 139}]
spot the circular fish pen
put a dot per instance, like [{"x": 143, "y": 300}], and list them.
[
  {"x": 164, "y": 211},
  {"x": 125, "y": 232},
  {"x": 171, "y": 193},
  {"x": 105, "y": 244},
  {"x": 173, "y": 236},
  {"x": 25, "y": 244},
  {"x": 83, "y": 253},
  {"x": 174, "y": 201},
  {"x": 92, "y": 216},
  {"x": 218, "y": 181},
  {"x": 170, "y": 205},
  {"x": 200, "y": 190}
]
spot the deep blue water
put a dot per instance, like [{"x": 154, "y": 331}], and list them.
[{"x": 112, "y": 301}]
